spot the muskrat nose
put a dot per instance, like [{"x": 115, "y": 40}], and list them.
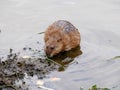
[{"x": 48, "y": 52}]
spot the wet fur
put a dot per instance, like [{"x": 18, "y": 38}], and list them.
[{"x": 61, "y": 36}]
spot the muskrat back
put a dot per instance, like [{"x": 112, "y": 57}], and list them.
[{"x": 61, "y": 36}]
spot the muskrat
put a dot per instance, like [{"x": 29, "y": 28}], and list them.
[{"x": 61, "y": 36}]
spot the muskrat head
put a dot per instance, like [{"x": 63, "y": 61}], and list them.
[{"x": 53, "y": 46}]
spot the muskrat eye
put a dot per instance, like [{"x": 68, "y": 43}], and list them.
[
  {"x": 51, "y": 48},
  {"x": 47, "y": 47},
  {"x": 59, "y": 40}
]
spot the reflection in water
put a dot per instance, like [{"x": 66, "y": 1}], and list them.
[{"x": 67, "y": 57}]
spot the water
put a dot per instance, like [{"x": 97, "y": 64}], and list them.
[{"x": 98, "y": 22}]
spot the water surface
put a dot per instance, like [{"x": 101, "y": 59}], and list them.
[{"x": 99, "y": 25}]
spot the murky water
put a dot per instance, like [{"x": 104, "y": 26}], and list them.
[{"x": 98, "y": 22}]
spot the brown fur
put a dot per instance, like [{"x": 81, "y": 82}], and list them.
[{"x": 61, "y": 36}]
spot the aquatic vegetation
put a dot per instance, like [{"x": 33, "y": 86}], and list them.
[
  {"x": 94, "y": 87},
  {"x": 116, "y": 57},
  {"x": 41, "y": 32}
]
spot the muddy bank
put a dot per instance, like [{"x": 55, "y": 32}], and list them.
[{"x": 14, "y": 69}]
